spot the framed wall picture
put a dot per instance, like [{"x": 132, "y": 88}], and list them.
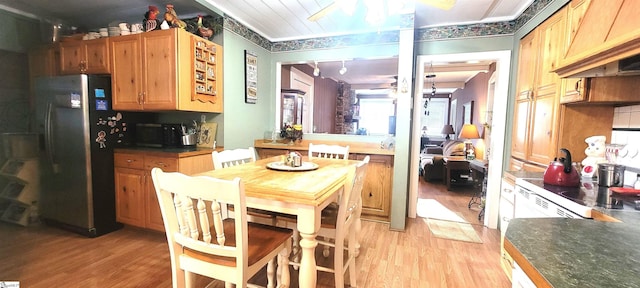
[
  {"x": 251, "y": 77},
  {"x": 467, "y": 113}
]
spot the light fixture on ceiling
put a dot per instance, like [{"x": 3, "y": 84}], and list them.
[
  {"x": 343, "y": 69},
  {"x": 316, "y": 71}
]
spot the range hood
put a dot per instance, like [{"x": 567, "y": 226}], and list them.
[
  {"x": 624, "y": 67},
  {"x": 606, "y": 41}
]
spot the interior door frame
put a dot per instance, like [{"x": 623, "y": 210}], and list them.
[{"x": 498, "y": 130}]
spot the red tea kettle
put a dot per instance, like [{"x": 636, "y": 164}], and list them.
[{"x": 560, "y": 172}]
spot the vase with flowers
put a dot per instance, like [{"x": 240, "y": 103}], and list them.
[{"x": 291, "y": 132}]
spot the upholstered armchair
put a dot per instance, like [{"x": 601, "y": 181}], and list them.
[{"x": 432, "y": 162}]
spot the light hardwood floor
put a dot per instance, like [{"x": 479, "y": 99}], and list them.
[{"x": 41, "y": 256}]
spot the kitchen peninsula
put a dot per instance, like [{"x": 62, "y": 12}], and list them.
[
  {"x": 562, "y": 252},
  {"x": 376, "y": 193}
]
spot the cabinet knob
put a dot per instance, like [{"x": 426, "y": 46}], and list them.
[
  {"x": 578, "y": 86},
  {"x": 370, "y": 194}
]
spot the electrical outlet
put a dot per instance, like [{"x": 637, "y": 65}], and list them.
[{"x": 203, "y": 118}]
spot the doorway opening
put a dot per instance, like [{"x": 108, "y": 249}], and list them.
[{"x": 497, "y": 128}]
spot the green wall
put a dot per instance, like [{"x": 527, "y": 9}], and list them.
[
  {"x": 243, "y": 123},
  {"x": 18, "y": 33}
]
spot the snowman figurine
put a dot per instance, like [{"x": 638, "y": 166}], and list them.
[{"x": 595, "y": 155}]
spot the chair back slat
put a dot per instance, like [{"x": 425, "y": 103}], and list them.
[
  {"x": 217, "y": 220},
  {"x": 328, "y": 151},
  {"x": 228, "y": 158},
  {"x": 191, "y": 228}
]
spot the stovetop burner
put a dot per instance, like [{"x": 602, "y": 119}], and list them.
[{"x": 587, "y": 194}]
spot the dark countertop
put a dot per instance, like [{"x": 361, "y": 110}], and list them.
[
  {"x": 170, "y": 151},
  {"x": 578, "y": 252},
  {"x": 512, "y": 175}
]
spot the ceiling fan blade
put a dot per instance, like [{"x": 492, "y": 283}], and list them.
[
  {"x": 324, "y": 11},
  {"x": 442, "y": 4}
]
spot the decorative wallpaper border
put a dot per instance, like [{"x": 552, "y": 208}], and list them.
[{"x": 433, "y": 33}]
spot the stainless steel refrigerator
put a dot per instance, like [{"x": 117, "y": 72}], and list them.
[{"x": 78, "y": 132}]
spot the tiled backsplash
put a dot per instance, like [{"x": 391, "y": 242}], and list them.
[{"x": 626, "y": 131}]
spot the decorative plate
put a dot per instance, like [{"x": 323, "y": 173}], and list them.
[{"x": 306, "y": 166}]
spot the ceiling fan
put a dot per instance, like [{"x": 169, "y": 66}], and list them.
[{"x": 442, "y": 4}]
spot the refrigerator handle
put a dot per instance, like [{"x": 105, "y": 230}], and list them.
[{"x": 48, "y": 141}]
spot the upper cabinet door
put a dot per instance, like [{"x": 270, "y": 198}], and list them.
[
  {"x": 528, "y": 54},
  {"x": 159, "y": 66},
  {"x": 551, "y": 46},
  {"x": 85, "y": 56},
  {"x": 126, "y": 81}
]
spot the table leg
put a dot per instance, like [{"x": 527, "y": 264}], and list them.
[
  {"x": 308, "y": 226},
  {"x": 448, "y": 177}
]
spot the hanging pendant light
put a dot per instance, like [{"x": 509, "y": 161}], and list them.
[
  {"x": 343, "y": 69},
  {"x": 316, "y": 71}
]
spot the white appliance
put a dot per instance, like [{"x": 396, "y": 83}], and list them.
[{"x": 534, "y": 199}]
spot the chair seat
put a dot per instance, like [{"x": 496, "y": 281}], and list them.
[{"x": 262, "y": 240}]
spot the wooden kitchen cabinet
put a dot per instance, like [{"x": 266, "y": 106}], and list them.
[
  {"x": 85, "y": 56},
  {"x": 267, "y": 153},
  {"x": 537, "y": 98},
  {"x": 44, "y": 61},
  {"x": 136, "y": 201},
  {"x": 130, "y": 196},
  {"x": 376, "y": 191},
  {"x": 574, "y": 89},
  {"x": 155, "y": 71},
  {"x": 608, "y": 90}
]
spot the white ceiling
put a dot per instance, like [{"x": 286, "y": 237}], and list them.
[
  {"x": 279, "y": 20},
  {"x": 379, "y": 74},
  {"x": 276, "y": 20}
]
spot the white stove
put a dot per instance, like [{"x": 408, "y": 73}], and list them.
[{"x": 536, "y": 199}]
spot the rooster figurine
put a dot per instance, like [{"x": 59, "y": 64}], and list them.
[
  {"x": 150, "y": 19},
  {"x": 172, "y": 18},
  {"x": 205, "y": 32}
]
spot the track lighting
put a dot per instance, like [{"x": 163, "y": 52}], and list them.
[
  {"x": 316, "y": 71},
  {"x": 343, "y": 69}
]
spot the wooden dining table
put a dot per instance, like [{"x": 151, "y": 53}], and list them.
[{"x": 301, "y": 193}]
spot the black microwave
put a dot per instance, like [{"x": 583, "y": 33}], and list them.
[{"x": 158, "y": 135}]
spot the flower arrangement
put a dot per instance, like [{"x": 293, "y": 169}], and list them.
[{"x": 291, "y": 132}]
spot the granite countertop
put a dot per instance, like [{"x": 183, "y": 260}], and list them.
[
  {"x": 577, "y": 252},
  {"x": 168, "y": 151},
  {"x": 522, "y": 174}
]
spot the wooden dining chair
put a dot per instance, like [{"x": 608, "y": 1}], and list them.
[
  {"x": 202, "y": 241},
  {"x": 340, "y": 226},
  {"x": 328, "y": 151},
  {"x": 229, "y": 158}
]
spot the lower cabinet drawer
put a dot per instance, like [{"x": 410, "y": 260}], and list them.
[{"x": 166, "y": 164}]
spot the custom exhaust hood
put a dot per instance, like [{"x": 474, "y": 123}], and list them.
[{"x": 606, "y": 41}]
